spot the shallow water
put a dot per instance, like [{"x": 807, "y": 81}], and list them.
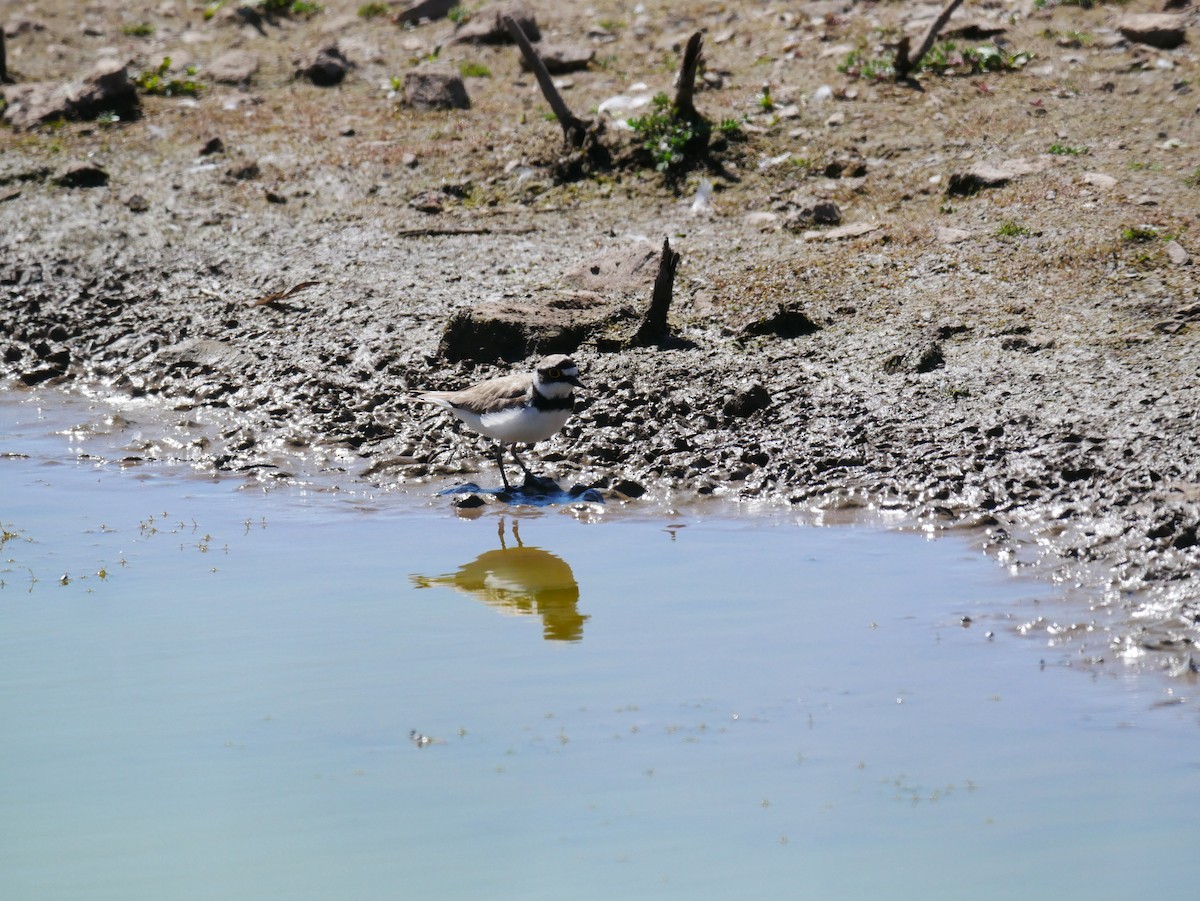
[{"x": 208, "y": 690}]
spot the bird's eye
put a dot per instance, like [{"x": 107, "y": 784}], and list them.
[{"x": 554, "y": 373}]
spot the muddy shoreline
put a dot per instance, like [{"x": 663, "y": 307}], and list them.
[{"x": 1020, "y": 361}]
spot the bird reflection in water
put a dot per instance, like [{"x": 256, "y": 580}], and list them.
[{"x": 521, "y": 580}]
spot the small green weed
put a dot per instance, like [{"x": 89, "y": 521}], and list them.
[
  {"x": 1010, "y": 229},
  {"x": 459, "y": 14},
  {"x": 1193, "y": 180},
  {"x": 139, "y": 30},
  {"x": 474, "y": 70},
  {"x": 372, "y": 10},
  {"x": 611, "y": 24},
  {"x": 1139, "y": 234},
  {"x": 1060, "y": 149},
  {"x": 668, "y": 138},
  {"x": 306, "y": 8},
  {"x": 108, "y": 117},
  {"x": 159, "y": 81},
  {"x": 765, "y": 101},
  {"x": 858, "y": 65}
]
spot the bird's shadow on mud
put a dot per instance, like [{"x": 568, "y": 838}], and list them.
[{"x": 535, "y": 491}]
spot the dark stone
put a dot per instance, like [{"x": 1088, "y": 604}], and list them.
[
  {"x": 211, "y": 146},
  {"x": 747, "y": 401},
  {"x": 1166, "y": 31},
  {"x": 106, "y": 88},
  {"x": 923, "y": 357},
  {"x": 82, "y": 175},
  {"x": 788, "y": 321},
  {"x": 425, "y": 9},
  {"x": 435, "y": 89},
  {"x": 486, "y": 26},
  {"x": 137, "y": 203},
  {"x": 629, "y": 488},
  {"x": 514, "y": 331},
  {"x": 326, "y": 68}
]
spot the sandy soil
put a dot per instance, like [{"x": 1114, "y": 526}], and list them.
[{"x": 1021, "y": 361}]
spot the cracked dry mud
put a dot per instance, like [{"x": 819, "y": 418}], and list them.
[{"x": 1021, "y": 360}]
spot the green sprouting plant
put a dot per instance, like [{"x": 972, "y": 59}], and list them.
[
  {"x": 372, "y": 10},
  {"x": 159, "y": 81},
  {"x": 108, "y": 117},
  {"x": 765, "y": 102},
  {"x": 458, "y": 14},
  {"x": 667, "y": 136},
  {"x": 139, "y": 30},
  {"x": 1010, "y": 229},
  {"x": 1193, "y": 180},
  {"x": 474, "y": 70},
  {"x": 732, "y": 128},
  {"x": 1060, "y": 149},
  {"x": 947, "y": 56},
  {"x": 858, "y": 65},
  {"x": 1139, "y": 233},
  {"x": 396, "y": 82},
  {"x": 306, "y": 8}
]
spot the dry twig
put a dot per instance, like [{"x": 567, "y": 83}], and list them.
[
  {"x": 574, "y": 129},
  {"x": 905, "y": 64}
]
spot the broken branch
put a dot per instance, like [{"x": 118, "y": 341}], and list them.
[
  {"x": 904, "y": 64},
  {"x": 654, "y": 328},
  {"x": 574, "y": 129},
  {"x": 685, "y": 107}
]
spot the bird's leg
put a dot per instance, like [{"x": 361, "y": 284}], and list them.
[
  {"x": 520, "y": 462},
  {"x": 500, "y": 463}
]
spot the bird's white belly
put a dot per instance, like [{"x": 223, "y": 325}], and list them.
[{"x": 520, "y": 425}]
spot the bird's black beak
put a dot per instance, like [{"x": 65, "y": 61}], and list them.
[{"x": 573, "y": 380}]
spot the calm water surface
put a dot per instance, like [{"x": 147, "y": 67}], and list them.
[{"x": 208, "y": 691}]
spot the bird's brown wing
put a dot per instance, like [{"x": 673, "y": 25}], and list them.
[{"x": 505, "y": 391}]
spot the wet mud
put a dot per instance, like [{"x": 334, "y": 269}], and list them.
[{"x": 1018, "y": 361}]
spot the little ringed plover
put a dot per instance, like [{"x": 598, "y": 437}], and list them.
[{"x": 521, "y": 408}]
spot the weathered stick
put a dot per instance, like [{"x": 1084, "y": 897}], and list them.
[
  {"x": 654, "y": 326},
  {"x": 4, "y": 79},
  {"x": 905, "y": 64},
  {"x": 685, "y": 107},
  {"x": 574, "y": 129}
]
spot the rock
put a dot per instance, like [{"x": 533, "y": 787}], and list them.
[
  {"x": 19, "y": 25},
  {"x": 1177, "y": 254},
  {"x": 1165, "y": 31},
  {"x": 923, "y": 356},
  {"x": 1098, "y": 180},
  {"x": 435, "y": 88},
  {"x": 487, "y": 25},
  {"x": 971, "y": 29},
  {"x": 821, "y": 212},
  {"x": 236, "y": 67},
  {"x": 946, "y": 235},
  {"x": 628, "y": 489},
  {"x": 27, "y": 105},
  {"x": 137, "y": 203},
  {"x": 985, "y": 175},
  {"x": 762, "y": 219},
  {"x": 746, "y": 401},
  {"x": 211, "y": 146},
  {"x": 787, "y": 321},
  {"x": 514, "y": 331},
  {"x": 560, "y": 58},
  {"x": 853, "y": 230},
  {"x": 629, "y": 270},
  {"x": 106, "y": 88},
  {"x": 425, "y": 9},
  {"x": 244, "y": 171},
  {"x": 81, "y": 175},
  {"x": 429, "y": 201},
  {"x": 325, "y": 68}
]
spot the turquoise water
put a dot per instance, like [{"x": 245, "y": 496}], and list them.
[{"x": 212, "y": 691}]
